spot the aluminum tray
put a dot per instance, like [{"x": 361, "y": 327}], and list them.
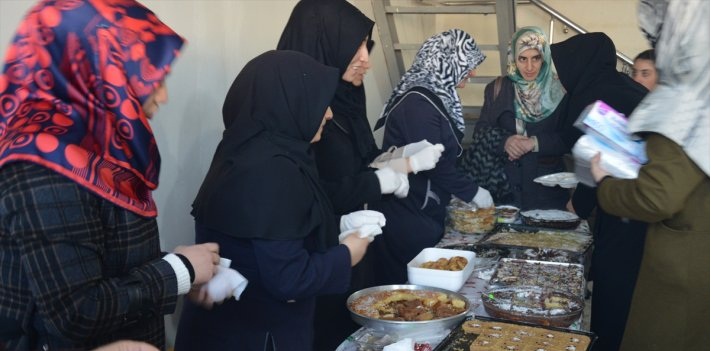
[
  {"x": 542, "y": 271},
  {"x": 459, "y": 340},
  {"x": 578, "y": 244},
  {"x": 398, "y": 327}
]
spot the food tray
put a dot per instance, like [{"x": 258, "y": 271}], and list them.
[
  {"x": 361, "y": 302},
  {"x": 466, "y": 218},
  {"x": 445, "y": 279},
  {"x": 548, "y": 275},
  {"x": 550, "y": 219},
  {"x": 534, "y": 305},
  {"x": 459, "y": 340},
  {"x": 518, "y": 236}
]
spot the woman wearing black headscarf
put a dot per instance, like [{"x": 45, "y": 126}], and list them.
[
  {"x": 337, "y": 34},
  {"x": 263, "y": 202},
  {"x": 586, "y": 66}
]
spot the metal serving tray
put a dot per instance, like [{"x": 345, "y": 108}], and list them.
[
  {"x": 460, "y": 340},
  {"x": 520, "y": 236},
  {"x": 568, "y": 277}
]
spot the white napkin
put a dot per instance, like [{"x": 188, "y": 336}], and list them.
[
  {"x": 365, "y": 231},
  {"x": 226, "y": 283},
  {"x": 405, "y": 344}
]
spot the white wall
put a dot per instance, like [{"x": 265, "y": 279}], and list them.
[{"x": 224, "y": 34}]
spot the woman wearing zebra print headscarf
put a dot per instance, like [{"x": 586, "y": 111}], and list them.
[
  {"x": 516, "y": 138},
  {"x": 425, "y": 106}
]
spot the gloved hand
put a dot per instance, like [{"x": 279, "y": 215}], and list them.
[
  {"x": 365, "y": 231},
  {"x": 483, "y": 199},
  {"x": 226, "y": 283},
  {"x": 404, "y": 188},
  {"x": 358, "y": 219},
  {"x": 392, "y": 182},
  {"x": 426, "y": 158},
  {"x": 412, "y": 148}
]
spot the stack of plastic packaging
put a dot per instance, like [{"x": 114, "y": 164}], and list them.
[{"x": 622, "y": 154}]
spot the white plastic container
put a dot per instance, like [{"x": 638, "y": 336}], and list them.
[{"x": 450, "y": 280}]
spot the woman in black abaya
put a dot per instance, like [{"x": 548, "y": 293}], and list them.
[
  {"x": 337, "y": 34},
  {"x": 586, "y": 66},
  {"x": 263, "y": 202}
]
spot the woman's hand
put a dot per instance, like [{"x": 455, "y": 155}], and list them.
[
  {"x": 204, "y": 258},
  {"x": 517, "y": 146},
  {"x": 596, "y": 169},
  {"x": 199, "y": 296},
  {"x": 356, "y": 246}
]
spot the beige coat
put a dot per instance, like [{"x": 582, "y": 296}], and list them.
[{"x": 670, "y": 306}]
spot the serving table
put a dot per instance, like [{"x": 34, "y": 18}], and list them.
[{"x": 477, "y": 283}]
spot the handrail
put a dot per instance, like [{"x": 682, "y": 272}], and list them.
[{"x": 543, "y": 6}]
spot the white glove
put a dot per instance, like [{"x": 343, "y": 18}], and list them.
[
  {"x": 483, "y": 199},
  {"x": 412, "y": 148},
  {"x": 404, "y": 188},
  {"x": 358, "y": 219},
  {"x": 426, "y": 158},
  {"x": 392, "y": 182},
  {"x": 365, "y": 231},
  {"x": 226, "y": 283}
]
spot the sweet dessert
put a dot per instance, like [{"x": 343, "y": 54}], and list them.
[
  {"x": 533, "y": 305},
  {"x": 508, "y": 336},
  {"x": 468, "y": 219},
  {"x": 544, "y": 239},
  {"x": 547, "y": 275},
  {"x": 408, "y": 305},
  {"x": 456, "y": 263}
]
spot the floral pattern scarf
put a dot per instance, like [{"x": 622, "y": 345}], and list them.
[
  {"x": 535, "y": 100},
  {"x": 442, "y": 62},
  {"x": 71, "y": 94}
]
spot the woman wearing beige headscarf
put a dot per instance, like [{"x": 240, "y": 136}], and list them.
[{"x": 670, "y": 307}]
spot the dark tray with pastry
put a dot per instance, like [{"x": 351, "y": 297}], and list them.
[
  {"x": 568, "y": 277},
  {"x": 550, "y": 219},
  {"x": 543, "y": 244},
  {"x": 486, "y": 333}
]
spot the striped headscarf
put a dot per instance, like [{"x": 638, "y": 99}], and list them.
[
  {"x": 72, "y": 91},
  {"x": 535, "y": 100},
  {"x": 442, "y": 62}
]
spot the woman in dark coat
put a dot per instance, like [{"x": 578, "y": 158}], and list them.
[
  {"x": 263, "y": 202},
  {"x": 425, "y": 105},
  {"x": 517, "y": 137},
  {"x": 586, "y": 65},
  {"x": 337, "y": 34}
]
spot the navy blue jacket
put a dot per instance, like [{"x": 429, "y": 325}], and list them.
[{"x": 417, "y": 221}]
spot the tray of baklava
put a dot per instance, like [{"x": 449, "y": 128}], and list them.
[
  {"x": 567, "y": 277},
  {"x": 485, "y": 333},
  {"x": 516, "y": 236}
]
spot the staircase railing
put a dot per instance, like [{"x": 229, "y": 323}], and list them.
[{"x": 625, "y": 60}]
